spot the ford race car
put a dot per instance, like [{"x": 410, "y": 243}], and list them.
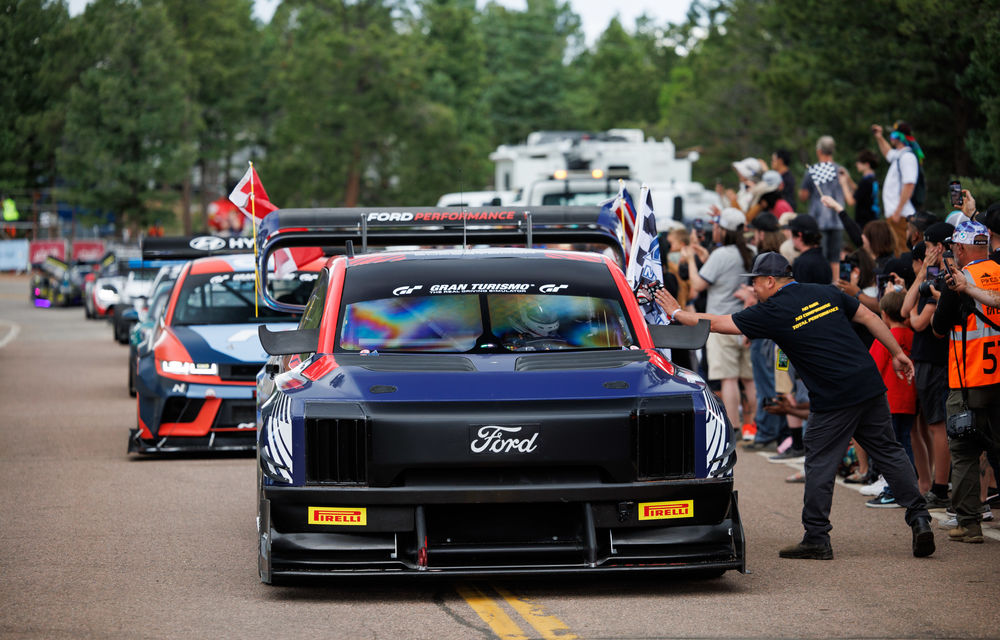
[
  {"x": 485, "y": 411},
  {"x": 195, "y": 381}
]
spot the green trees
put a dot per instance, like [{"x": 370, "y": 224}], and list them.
[{"x": 149, "y": 108}]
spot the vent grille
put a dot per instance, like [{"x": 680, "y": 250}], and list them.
[
  {"x": 336, "y": 450},
  {"x": 181, "y": 409},
  {"x": 240, "y": 372},
  {"x": 664, "y": 445}
]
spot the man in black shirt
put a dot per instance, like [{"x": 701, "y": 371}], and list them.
[
  {"x": 811, "y": 265},
  {"x": 847, "y": 398}
]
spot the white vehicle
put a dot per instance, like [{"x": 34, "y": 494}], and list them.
[
  {"x": 582, "y": 168},
  {"x": 477, "y": 199}
]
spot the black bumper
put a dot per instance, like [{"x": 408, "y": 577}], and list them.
[
  {"x": 691, "y": 524},
  {"x": 225, "y": 441}
]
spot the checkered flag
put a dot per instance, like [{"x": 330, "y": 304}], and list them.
[
  {"x": 644, "y": 266},
  {"x": 823, "y": 173}
]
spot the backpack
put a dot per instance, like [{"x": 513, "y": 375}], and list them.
[{"x": 919, "y": 195}]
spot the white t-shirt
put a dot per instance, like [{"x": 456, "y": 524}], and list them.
[
  {"x": 902, "y": 163},
  {"x": 722, "y": 271}
]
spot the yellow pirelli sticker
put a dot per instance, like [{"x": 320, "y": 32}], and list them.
[
  {"x": 340, "y": 516},
  {"x": 666, "y": 510}
]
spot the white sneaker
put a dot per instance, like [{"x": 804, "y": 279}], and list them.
[{"x": 874, "y": 488}]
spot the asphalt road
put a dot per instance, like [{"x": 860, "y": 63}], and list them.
[{"x": 95, "y": 543}]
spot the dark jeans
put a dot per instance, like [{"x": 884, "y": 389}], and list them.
[
  {"x": 965, "y": 454},
  {"x": 826, "y": 440},
  {"x": 902, "y": 425},
  {"x": 769, "y": 426}
]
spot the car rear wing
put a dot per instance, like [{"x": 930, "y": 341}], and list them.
[
  {"x": 193, "y": 247},
  {"x": 371, "y": 229}
]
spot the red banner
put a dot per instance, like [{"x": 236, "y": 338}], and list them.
[
  {"x": 41, "y": 249},
  {"x": 88, "y": 250}
]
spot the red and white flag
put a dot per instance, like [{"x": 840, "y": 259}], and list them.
[{"x": 250, "y": 197}]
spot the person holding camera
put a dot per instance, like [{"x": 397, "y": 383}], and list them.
[
  {"x": 973, "y": 407},
  {"x": 811, "y": 324}
]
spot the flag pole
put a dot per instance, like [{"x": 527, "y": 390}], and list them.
[{"x": 256, "y": 271}]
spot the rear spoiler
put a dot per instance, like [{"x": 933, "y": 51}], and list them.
[
  {"x": 367, "y": 227},
  {"x": 286, "y": 343},
  {"x": 192, "y": 247}
]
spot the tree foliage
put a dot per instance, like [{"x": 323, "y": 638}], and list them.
[{"x": 383, "y": 102}]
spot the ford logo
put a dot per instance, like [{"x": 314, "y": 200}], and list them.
[
  {"x": 492, "y": 438},
  {"x": 207, "y": 243}
]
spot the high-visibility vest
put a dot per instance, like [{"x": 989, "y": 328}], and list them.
[
  {"x": 10, "y": 213},
  {"x": 979, "y": 365}
]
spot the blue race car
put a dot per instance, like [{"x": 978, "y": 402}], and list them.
[{"x": 493, "y": 410}]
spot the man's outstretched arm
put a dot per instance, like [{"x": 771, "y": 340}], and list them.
[{"x": 719, "y": 324}]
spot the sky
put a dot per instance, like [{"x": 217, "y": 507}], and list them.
[{"x": 594, "y": 14}]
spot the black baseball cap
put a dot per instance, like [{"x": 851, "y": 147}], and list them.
[
  {"x": 764, "y": 221},
  {"x": 770, "y": 263},
  {"x": 922, "y": 220},
  {"x": 990, "y": 218},
  {"x": 803, "y": 223},
  {"x": 938, "y": 232}
]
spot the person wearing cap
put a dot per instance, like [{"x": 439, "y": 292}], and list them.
[
  {"x": 811, "y": 324},
  {"x": 973, "y": 373},
  {"x": 788, "y": 246},
  {"x": 767, "y": 197},
  {"x": 930, "y": 362},
  {"x": 811, "y": 265},
  {"x": 749, "y": 171},
  {"x": 728, "y": 359},
  {"x": 900, "y": 179}
]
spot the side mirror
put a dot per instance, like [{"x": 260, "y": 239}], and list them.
[
  {"x": 285, "y": 343},
  {"x": 679, "y": 336}
]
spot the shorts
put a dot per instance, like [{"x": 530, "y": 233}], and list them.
[
  {"x": 832, "y": 242},
  {"x": 727, "y": 357},
  {"x": 931, "y": 382}
]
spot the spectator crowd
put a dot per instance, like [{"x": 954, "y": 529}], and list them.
[{"x": 932, "y": 278}]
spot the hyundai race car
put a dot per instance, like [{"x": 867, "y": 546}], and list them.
[
  {"x": 477, "y": 411},
  {"x": 195, "y": 380}
]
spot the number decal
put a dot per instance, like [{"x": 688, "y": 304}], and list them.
[{"x": 987, "y": 356}]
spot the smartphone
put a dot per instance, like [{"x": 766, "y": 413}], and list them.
[
  {"x": 933, "y": 271},
  {"x": 881, "y": 281},
  {"x": 845, "y": 270},
  {"x": 955, "y": 191}
]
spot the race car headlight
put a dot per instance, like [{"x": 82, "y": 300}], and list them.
[{"x": 179, "y": 367}]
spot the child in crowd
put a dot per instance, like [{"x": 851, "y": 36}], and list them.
[{"x": 902, "y": 394}]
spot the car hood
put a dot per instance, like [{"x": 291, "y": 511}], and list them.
[{"x": 225, "y": 343}]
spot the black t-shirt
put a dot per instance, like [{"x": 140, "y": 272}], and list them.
[
  {"x": 811, "y": 323},
  {"x": 866, "y": 205},
  {"x": 788, "y": 187},
  {"x": 812, "y": 267},
  {"x": 926, "y": 346}
]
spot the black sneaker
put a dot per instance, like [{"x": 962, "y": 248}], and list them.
[
  {"x": 760, "y": 446},
  {"x": 789, "y": 455},
  {"x": 884, "y": 500},
  {"x": 805, "y": 551},
  {"x": 935, "y": 503},
  {"x": 923, "y": 538}
]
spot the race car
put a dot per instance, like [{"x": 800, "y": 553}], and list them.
[
  {"x": 55, "y": 283},
  {"x": 484, "y": 411},
  {"x": 146, "y": 317},
  {"x": 195, "y": 382}
]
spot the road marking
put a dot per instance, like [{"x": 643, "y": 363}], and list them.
[
  {"x": 940, "y": 516},
  {"x": 551, "y": 627},
  {"x": 11, "y": 333},
  {"x": 491, "y": 613}
]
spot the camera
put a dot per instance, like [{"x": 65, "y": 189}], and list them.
[
  {"x": 961, "y": 426},
  {"x": 955, "y": 192},
  {"x": 937, "y": 278}
]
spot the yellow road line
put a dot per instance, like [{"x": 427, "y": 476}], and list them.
[
  {"x": 491, "y": 613},
  {"x": 551, "y": 627}
]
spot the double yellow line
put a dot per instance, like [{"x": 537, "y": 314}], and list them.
[{"x": 492, "y": 613}]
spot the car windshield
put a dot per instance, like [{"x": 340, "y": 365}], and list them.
[
  {"x": 228, "y": 298},
  {"x": 484, "y": 323}
]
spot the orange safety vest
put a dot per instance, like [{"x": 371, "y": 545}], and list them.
[{"x": 981, "y": 364}]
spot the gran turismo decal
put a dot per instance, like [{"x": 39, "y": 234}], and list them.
[
  {"x": 492, "y": 438},
  {"x": 235, "y": 277},
  {"x": 341, "y": 516},
  {"x": 552, "y": 288},
  {"x": 666, "y": 510},
  {"x": 481, "y": 287},
  {"x": 406, "y": 290}
]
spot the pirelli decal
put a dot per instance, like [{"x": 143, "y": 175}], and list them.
[
  {"x": 666, "y": 510},
  {"x": 339, "y": 516}
]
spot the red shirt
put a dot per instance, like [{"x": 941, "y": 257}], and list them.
[{"x": 902, "y": 394}]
